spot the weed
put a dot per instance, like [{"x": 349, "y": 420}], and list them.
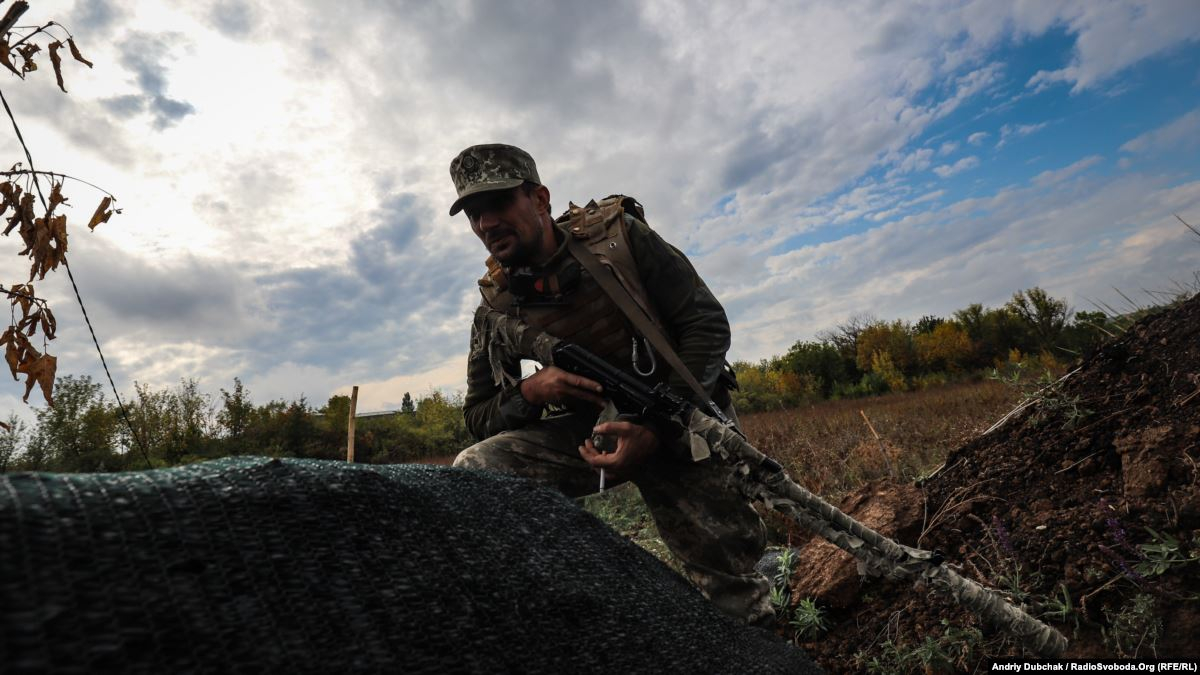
[
  {"x": 890, "y": 659},
  {"x": 780, "y": 593},
  {"x": 1163, "y": 553},
  {"x": 1134, "y": 627},
  {"x": 808, "y": 620},
  {"x": 1060, "y": 609},
  {"x": 952, "y": 651}
]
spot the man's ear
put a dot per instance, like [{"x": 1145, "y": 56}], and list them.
[{"x": 541, "y": 198}]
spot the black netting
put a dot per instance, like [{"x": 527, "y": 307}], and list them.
[{"x": 254, "y": 565}]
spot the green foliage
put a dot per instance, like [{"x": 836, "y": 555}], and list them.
[
  {"x": 406, "y": 404},
  {"x": 1059, "y": 608},
  {"x": 1162, "y": 553},
  {"x": 1134, "y": 627},
  {"x": 623, "y": 509},
  {"x": 179, "y": 425},
  {"x": 235, "y": 418},
  {"x": 766, "y": 387},
  {"x": 819, "y": 360},
  {"x": 886, "y": 342},
  {"x": 950, "y": 652},
  {"x": 174, "y": 426},
  {"x": 1044, "y": 317},
  {"x": 945, "y": 347},
  {"x": 808, "y": 620},
  {"x": 12, "y": 439},
  {"x": 780, "y": 592},
  {"x": 78, "y": 434}
]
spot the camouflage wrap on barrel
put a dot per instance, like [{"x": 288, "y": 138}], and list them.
[{"x": 876, "y": 554}]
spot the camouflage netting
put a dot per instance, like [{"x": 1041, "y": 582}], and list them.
[{"x": 253, "y": 565}]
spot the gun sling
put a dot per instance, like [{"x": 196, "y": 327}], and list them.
[{"x": 608, "y": 282}]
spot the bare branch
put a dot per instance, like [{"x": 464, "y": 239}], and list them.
[{"x": 14, "y": 13}]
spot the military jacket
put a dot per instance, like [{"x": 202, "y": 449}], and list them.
[{"x": 686, "y": 309}]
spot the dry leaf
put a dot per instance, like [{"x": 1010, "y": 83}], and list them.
[
  {"x": 18, "y": 350},
  {"x": 76, "y": 54},
  {"x": 49, "y": 324},
  {"x": 5, "y": 426},
  {"x": 6, "y": 189},
  {"x": 56, "y": 197},
  {"x": 18, "y": 295},
  {"x": 40, "y": 371},
  {"x": 102, "y": 214},
  {"x": 27, "y": 51},
  {"x": 6, "y": 58},
  {"x": 27, "y": 212},
  {"x": 12, "y": 354},
  {"x": 56, "y": 61}
]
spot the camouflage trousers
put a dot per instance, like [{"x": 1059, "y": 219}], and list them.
[{"x": 705, "y": 523}]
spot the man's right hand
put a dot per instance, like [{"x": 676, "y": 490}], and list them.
[{"x": 555, "y": 385}]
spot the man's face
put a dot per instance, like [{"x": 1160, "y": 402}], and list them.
[{"x": 508, "y": 224}]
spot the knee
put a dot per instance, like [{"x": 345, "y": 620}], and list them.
[{"x": 471, "y": 458}]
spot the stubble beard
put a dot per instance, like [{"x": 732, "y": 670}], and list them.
[{"x": 523, "y": 250}]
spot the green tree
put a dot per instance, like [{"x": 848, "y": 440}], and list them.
[
  {"x": 946, "y": 347},
  {"x": 1044, "y": 316},
  {"x": 12, "y": 438},
  {"x": 79, "y": 433},
  {"x": 406, "y": 404},
  {"x": 234, "y": 418},
  {"x": 175, "y": 425},
  {"x": 819, "y": 360},
  {"x": 927, "y": 323},
  {"x": 893, "y": 340}
]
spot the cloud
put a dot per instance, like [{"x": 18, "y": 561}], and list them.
[
  {"x": 234, "y": 18},
  {"x": 1113, "y": 36},
  {"x": 1018, "y": 130},
  {"x": 1182, "y": 133},
  {"x": 312, "y": 178},
  {"x": 975, "y": 250},
  {"x": 1055, "y": 176},
  {"x": 948, "y": 170},
  {"x": 145, "y": 54}
]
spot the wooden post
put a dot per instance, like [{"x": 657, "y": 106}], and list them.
[
  {"x": 882, "y": 450},
  {"x": 350, "y": 426}
]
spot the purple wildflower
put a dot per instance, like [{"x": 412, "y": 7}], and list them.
[
  {"x": 1002, "y": 536},
  {"x": 1122, "y": 564}
]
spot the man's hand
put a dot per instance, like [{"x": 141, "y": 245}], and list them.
[
  {"x": 555, "y": 385},
  {"x": 635, "y": 444}
]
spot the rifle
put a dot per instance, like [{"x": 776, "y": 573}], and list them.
[{"x": 763, "y": 479}]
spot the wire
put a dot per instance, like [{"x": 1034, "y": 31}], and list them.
[{"x": 79, "y": 298}]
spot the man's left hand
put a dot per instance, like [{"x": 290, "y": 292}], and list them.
[{"x": 635, "y": 444}]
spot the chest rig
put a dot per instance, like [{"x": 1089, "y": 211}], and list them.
[{"x": 565, "y": 300}]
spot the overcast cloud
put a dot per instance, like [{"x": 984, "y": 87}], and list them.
[{"x": 283, "y": 166}]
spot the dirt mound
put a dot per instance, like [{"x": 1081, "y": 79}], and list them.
[{"x": 1084, "y": 506}]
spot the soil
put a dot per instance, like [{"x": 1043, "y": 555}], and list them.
[{"x": 1063, "y": 495}]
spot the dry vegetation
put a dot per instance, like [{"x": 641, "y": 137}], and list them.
[{"x": 829, "y": 449}]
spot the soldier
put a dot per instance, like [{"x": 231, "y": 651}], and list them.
[{"x": 542, "y": 426}]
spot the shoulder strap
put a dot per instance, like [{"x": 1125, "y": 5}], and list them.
[{"x": 633, "y": 312}]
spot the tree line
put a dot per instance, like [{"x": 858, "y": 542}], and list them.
[
  {"x": 865, "y": 356},
  {"x": 84, "y": 432}
]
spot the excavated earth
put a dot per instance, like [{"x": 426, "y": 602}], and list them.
[{"x": 1062, "y": 494}]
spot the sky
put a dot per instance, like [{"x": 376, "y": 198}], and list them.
[{"x": 283, "y": 167}]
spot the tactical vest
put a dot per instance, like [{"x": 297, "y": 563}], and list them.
[{"x": 586, "y": 315}]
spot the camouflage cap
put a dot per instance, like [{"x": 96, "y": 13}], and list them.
[{"x": 495, "y": 166}]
